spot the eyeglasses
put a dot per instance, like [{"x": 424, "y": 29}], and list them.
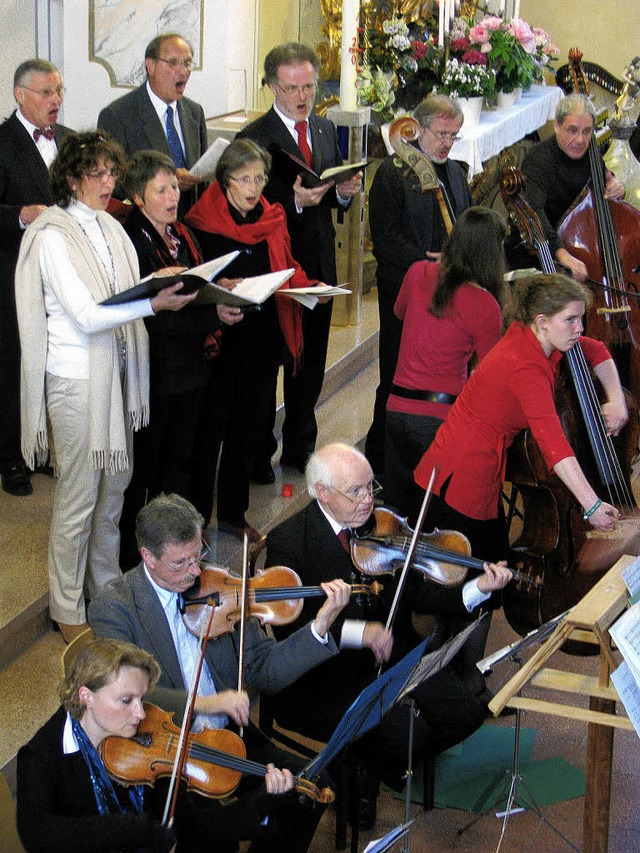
[
  {"x": 187, "y": 64},
  {"x": 441, "y": 136},
  {"x": 360, "y": 494},
  {"x": 45, "y": 94},
  {"x": 247, "y": 181},
  {"x": 307, "y": 89},
  {"x": 186, "y": 562},
  {"x": 102, "y": 174}
]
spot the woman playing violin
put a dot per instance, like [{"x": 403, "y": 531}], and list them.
[
  {"x": 512, "y": 390},
  {"x": 66, "y": 799},
  {"x": 449, "y": 311}
]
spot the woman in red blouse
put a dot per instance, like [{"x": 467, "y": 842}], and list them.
[
  {"x": 450, "y": 311},
  {"x": 512, "y": 390}
]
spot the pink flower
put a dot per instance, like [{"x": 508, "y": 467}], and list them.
[
  {"x": 474, "y": 57},
  {"x": 419, "y": 50},
  {"x": 523, "y": 33},
  {"x": 479, "y": 34},
  {"x": 551, "y": 50},
  {"x": 491, "y": 22}
]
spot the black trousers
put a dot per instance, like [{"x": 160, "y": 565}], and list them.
[
  {"x": 388, "y": 348},
  {"x": 301, "y": 392}
]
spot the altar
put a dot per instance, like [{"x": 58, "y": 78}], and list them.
[{"x": 498, "y": 129}]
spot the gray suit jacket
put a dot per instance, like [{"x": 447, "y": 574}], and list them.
[
  {"x": 128, "y": 609},
  {"x": 133, "y": 121}
]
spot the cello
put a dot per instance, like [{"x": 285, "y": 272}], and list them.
[
  {"x": 554, "y": 542},
  {"x": 605, "y": 236}
]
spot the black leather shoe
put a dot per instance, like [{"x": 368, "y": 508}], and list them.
[
  {"x": 263, "y": 474},
  {"x": 15, "y": 481}
]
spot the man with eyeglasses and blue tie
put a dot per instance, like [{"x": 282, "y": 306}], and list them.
[
  {"x": 291, "y": 71},
  {"x": 29, "y": 141},
  {"x": 144, "y": 608},
  {"x": 157, "y": 116},
  {"x": 407, "y": 226},
  {"x": 315, "y": 543}
]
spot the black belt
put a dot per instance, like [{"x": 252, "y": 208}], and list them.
[{"x": 427, "y": 396}]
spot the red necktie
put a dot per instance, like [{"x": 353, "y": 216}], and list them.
[
  {"x": 303, "y": 145},
  {"x": 343, "y": 536},
  {"x": 48, "y": 133}
]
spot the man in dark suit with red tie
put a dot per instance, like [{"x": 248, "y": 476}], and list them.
[
  {"x": 290, "y": 71},
  {"x": 29, "y": 141}
]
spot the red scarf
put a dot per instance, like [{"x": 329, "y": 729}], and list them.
[{"x": 211, "y": 213}]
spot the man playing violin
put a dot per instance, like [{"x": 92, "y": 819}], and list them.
[
  {"x": 142, "y": 607},
  {"x": 558, "y": 169},
  {"x": 312, "y": 542}
]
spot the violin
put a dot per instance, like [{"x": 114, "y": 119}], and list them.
[
  {"x": 275, "y": 596},
  {"x": 443, "y": 556},
  {"x": 215, "y": 762}
]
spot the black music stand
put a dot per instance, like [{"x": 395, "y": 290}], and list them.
[
  {"x": 379, "y": 696},
  {"x": 514, "y": 791}
]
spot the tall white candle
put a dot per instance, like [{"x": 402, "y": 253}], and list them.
[
  {"x": 441, "y": 23},
  {"x": 349, "y": 55},
  {"x": 516, "y": 11}
]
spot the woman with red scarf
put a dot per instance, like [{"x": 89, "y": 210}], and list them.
[
  {"x": 233, "y": 214},
  {"x": 180, "y": 347}
]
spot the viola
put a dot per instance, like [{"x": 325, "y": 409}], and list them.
[
  {"x": 555, "y": 542},
  {"x": 443, "y": 556},
  {"x": 215, "y": 762},
  {"x": 275, "y": 596}
]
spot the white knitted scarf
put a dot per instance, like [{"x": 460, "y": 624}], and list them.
[{"x": 106, "y": 416}]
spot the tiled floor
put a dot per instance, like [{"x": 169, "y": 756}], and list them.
[{"x": 28, "y": 687}]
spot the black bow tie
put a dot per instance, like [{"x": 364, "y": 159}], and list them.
[{"x": 48, "y": 133}]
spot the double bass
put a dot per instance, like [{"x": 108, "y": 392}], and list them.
[
  {"x": 555, "y": 542},
  {"x": 605, "y": 236}
]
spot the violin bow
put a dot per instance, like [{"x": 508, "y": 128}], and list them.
[
  {"x": 244, "y": 606},
  {"x": 410, "y": 552},
  {"x": 183, "y": 741}
]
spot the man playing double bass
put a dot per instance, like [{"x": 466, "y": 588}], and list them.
[
  {"x": 142, "y": 608},
  {"x": 313, "y": 543},
  {"x": 558, "y": 169}
]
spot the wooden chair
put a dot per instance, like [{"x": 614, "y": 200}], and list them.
[
  {"x": 70, "y": 652},
  {"x": 10, "y": 841}
]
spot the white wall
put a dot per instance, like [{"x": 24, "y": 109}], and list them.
[{"x": 228, "y": 50}]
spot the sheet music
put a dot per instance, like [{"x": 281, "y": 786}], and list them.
[
  {"x": 631, "y": 577},
  {"x": 205, "y": 167},
  {"x": 629, "y": 693},
  {"x": 626, "y": 635}
]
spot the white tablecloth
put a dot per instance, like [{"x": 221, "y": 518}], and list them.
[{"x": 500, "y": 128}]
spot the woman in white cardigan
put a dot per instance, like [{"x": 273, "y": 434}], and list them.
[{"x": 85, "y": 367}]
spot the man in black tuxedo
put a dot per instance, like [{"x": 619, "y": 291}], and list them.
[
  {"x": 29, "y": 141},
  {"x": 158, "y": 116},
  {"x": 407, "y": 226},
  {"x": 313, "y": 543},
  {"x": 290, "y": 71}
]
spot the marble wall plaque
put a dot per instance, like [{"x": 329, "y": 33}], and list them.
[{"x": 120, "y": 30}]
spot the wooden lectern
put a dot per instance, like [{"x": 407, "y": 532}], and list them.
[{"x": 588, "y": 622}]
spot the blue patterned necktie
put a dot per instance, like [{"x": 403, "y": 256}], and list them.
[{"x": 177, "y": 154}]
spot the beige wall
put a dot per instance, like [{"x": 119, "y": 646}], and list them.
[{"x": 605, "y": 31}]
